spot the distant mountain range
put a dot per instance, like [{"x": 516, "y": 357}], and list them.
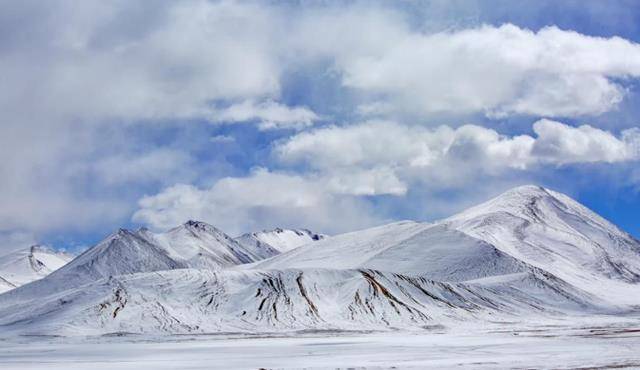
[{"x": 530, "y": 252}]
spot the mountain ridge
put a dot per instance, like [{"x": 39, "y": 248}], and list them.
[{"x": 268, "y": 243}]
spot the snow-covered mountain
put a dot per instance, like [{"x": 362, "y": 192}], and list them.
[
  {"x": 430, "y": 250},
  {"x": 528, "y": 252},
  {"x": 268, "y": 243},
  {"x": 199, "y": 245},
  {"x": 26, "y": 265},
  {"x": 525, "y": 228},
  {"x": 191, "y": 245},
  {"x": 551, "y": 231}
]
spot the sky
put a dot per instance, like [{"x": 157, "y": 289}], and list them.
[{"x": 328, "y": 115}]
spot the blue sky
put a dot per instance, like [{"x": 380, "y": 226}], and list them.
[{"x": 327, "y": 115}]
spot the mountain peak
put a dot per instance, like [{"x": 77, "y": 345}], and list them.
[
  {"x": 267, "y": 243},
  {"x": 518, "y": 200},
  {"x": 529, "y": 189},
  {"x": 200, "y": 226},
  {"x": 124, "y": 232},
  {"x": 40, "y": 248}
]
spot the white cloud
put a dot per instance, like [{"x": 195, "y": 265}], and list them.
[
  {"x": 269, "y": 114},
  {"x": 379, "y": 157},
  {"x": 193, "y": 53},
  {"x": 75, "y": 70},
  {"x": 220, "y": 139},
  {"x": 262, "y": 199},
  {"x": 562, "y": 144},
  {"x": 374, "y": 181},
  {"x": 389, "y": 145},
  {"x": 346, "y": 164},
  {"x": 189, "y": 54},
  {"x": 14, "y": 240},
  {"x": 496, "y": 70},
  {"x": 76, "y": 73},
  {"x": 158, "y": 165}
]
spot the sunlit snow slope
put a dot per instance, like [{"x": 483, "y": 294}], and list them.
[{"x": 553, "y": 232}]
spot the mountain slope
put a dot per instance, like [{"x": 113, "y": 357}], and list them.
[
  {"x": 523, "y": 229},
  {"x": 205, "y": 301},
  {"x": 429, "y": 250},
  {"x": 551, "y": 231},
  {"x": 268, "y": 243},
  {"x": 345, "y": 251},
  {"x": 27, "y": 265}
]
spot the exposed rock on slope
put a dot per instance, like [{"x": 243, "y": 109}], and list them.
[{"x": 202, "y": 301}]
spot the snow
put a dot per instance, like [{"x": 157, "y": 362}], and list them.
[
  {"x": 30, "y": 264},
  {"x": 530, "y": 268},
  {"x": 345, "y": 251},
  {"x": 200, "y": 245},
  {"x": 525, "y": 229},
  {"x": 550, "y": 231},
  {"x": 268, "y": 243},
  {"x": 559, "y": 345},
  {"x": 428, "y": 250},
  {"x": 187, "y": 301}
]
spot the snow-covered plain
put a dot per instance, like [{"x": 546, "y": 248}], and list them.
[{"x": 571, "y": 343}]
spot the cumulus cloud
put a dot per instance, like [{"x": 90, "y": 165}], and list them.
[
  {"x": 183, "y": 56},
  {"x": 14, "y": 240},
  {"x": 496, "y": 70},
  {"x": 262, "y": 199},
  {"x": 346, "y": 165},
  {"x": 158, "y": 165},
  {"x": 169, "y": 65},
  {"x": 75, "y": 70},
  {"x": 375, "y": 143},
  {"x": 78, "y": 76},
  {"x": 270, "y": 115},
  {"x": 372, "y": 181},
  {"x": 562, "y": 144},
  {"x": 400, "y": 155}
]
